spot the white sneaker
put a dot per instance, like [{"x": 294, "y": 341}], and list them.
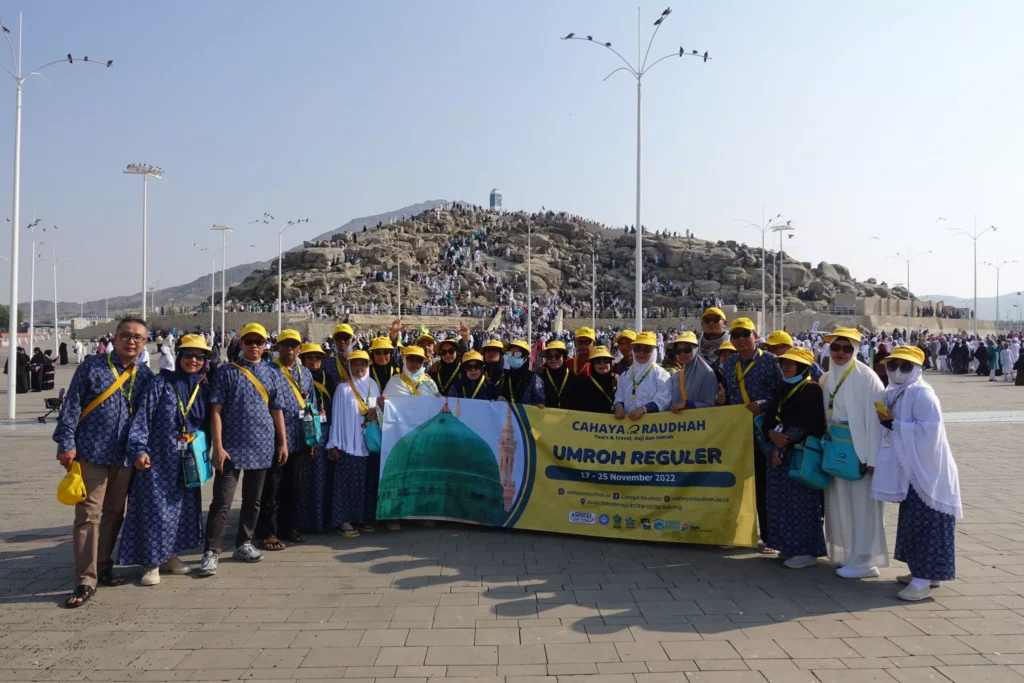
[
  {"x": 857, "y": 572},
  {"x": 247, "y": 553},
  {"x": 175, "y": 566},
  {"x": 151, "y": 577},
  {"x": 800, "y": 562},
  {"x": 906, "y": 578},
  {"x": 208, "y": 567},
  {"x": 911, "y": 594}
]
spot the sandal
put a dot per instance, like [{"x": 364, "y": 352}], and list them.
[
  {"x": 273, "y": 543},
  {"x": 366, "y": 527},
  {"x": 81, "y": 596},
  {"x": 296, "y": 537},
  {"x": 349, "y": 532},
  {"x": 765, "y": 550},
  {"x": 109, "y": 579}
]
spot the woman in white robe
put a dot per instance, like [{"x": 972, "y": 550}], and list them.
[
  {"x": 854, "y": 523},
  {"x": 916, "y": 469},
  {"x": 643, "y": 388}
]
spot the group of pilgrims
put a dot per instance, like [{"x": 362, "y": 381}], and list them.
[{"x": 128, "y": 429}]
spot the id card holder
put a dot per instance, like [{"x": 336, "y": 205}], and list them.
[
  {"x": 778, "y": 428},
  {"x": 182, "y": 443},
  {"x": 323, "y": 417}
]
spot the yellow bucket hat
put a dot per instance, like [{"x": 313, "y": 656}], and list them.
[
  {"x": 494, "y": 344},
  {"x": 289, "y": 335},
  {"x": 555, "y": 346},
  {"x": 311, "y": 347},
  {"x": 713, "y": 311},
  {"x": 414, "y": 352},
  {"x": 646, "y": 339},
  {"x": 797, "y": 355},
  {"x": 470, "y": 356},
  {"x": 358, "y": 354},
  {"x": 71, "y": 489},
  {"x": 629, "y": 335},
  {"x": 343, "y": 328},
  {"x": 585, "y": 333},
  {"x": 908, "y": 353},
  {"x": 427, "y": 337},
  {"x": 518, "y": 344},
  {"x": 726, "y": 346},
  {"x": 779, "y": 337},
  {"x": 846, "y": 333},
  {"x": 600, "y": 352},
  {"x": 742, "y": 324},
  {"x": 193, "y": 341},
  {"x": 381, "y": 344},
  {"x": 253, "y": 328},
  {"x": 685, "y": 337}
]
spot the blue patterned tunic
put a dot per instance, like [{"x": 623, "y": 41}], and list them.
[
  {"x": 247, "y": 428},
  {"x": 331, "y": 367},
  {"x": 164, "y": 517},
  {"x": 764, "y": 380},
  {"x": 101, "y": 438},
  {"x": 290, "y": 404},
  {"x": 926, "y": 540}
]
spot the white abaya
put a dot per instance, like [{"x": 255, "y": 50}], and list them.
[{"x": 854, "y": 522}]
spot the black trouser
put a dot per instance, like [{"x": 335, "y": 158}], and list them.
[
  {"x": 761, "y": 492},
  {"x": 279, "y": 508},
  {"x": 224, "y": 484}
]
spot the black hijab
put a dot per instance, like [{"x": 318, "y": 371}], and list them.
[{"x": 184, "y": 384}]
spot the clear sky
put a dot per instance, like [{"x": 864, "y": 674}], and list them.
[{"x": 854, "y": 120}]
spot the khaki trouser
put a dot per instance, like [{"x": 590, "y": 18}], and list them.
[{"x": 98, "y": 519}]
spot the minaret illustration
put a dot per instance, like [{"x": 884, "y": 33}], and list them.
[{"x": 507, "y": 458}]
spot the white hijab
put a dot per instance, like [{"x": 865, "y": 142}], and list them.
[
  {"x": 346, "y": 433},
  {"x": 918, "y": 454},
  {"x": 856, "y": 401}
]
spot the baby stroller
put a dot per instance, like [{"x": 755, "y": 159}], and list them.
[{"x": 52, "y": 406}]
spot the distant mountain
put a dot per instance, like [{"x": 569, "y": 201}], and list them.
[
  {"x": 197, "y": 291},
  {"x": 986, "y": 305}
]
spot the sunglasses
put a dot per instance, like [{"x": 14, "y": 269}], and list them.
[
  {"x": 841, "y": 348},
  {"x": 473, "y": 366},
  {"x": 289, "y": 344},
  {"x": 517, "y": 354},
  {"x": 342, "y": 337},
  {"x": 249, "y": 341},
  {"x": 904, "y": 365},
  {"x": 601, "y": 361},
  {"x": 712, "y": 320},
  {"x": 584, "y": 342},
  {"x": 192, "y": 355},
  {"x": 740, "y": 334},
  {"x": 380, "y": 352},
  {"x": 684, "y": 348},
  {"x": 642, "y": 349},
  {"x": 447, "y": 351},
  {"x": 129, "y": 337},
  {"x": 554, "y": 354}
]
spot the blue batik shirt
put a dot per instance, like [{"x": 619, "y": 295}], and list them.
[
  {"x": 290, "y": 405},
  {"x": 247, "y": 429},
  {"x": 102, "y": 437},
  {"x": 763, "y": 379}
]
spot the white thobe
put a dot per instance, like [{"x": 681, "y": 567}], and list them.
[
  {"x": 854, "y": 523},
  {"x": 396, "y": 387},
  {"x": 652, "y": 388},
  {"x": 346, "y": 432}
]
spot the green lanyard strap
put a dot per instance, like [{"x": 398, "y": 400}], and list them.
[
  {"x": 558, "y": 390},
  {"x": 637, "y": 382},
  {"x": 832, "y": 394},
  {"x": 184, "y": 409},
  {"x": 131, "y": 384}
]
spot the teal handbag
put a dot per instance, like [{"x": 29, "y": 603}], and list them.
[
  {"x": 805, "y": 465},
  {"x": 763, "y": 445},
  {"x": 311, "y": 428},
  {"x": 839, "y": 458},
  {"x": 196, "y": 463},
  {"x": 372, "y": 435}
]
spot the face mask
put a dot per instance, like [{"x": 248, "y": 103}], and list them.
[
  {"x": 417, "y": 374},
  {"x": 516, "y": 362},
  {"x": 898, "y": 376},
  {"x": 795, "y": 379}
]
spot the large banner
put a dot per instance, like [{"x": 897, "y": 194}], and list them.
[{"x": 686, "y": 477}]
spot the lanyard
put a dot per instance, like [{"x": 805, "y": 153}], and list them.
[
  {"x": 798, "y": 387},
  {"x": 414, "y": 388},
  {"x": 682, "y": 383},
  {"x": 342, "y": 373},
  {"x": 896, "y": 400},
  {"x": 131, "y": 384},
  {"x": 184, "y": 409},
  {"x": 477, "y": 390},
  {"x": 558, "y": 390},
  {"x": 359, "y": 399},
  {"x": 294, "y": 386},
  {"x": 611, "y": 399},
  {"x": 832, "y": 394},
  {"x": 741, "y": 374},
  {"x": 377, "y": 381},
  {"x": 637, "y": 382},
  {"x": 451, "y": 378}
]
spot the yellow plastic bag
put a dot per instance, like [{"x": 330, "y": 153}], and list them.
[{"x": 71, "y": 489}]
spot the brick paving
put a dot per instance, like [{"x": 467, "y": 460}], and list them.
[{"x": 465, "y": 604}]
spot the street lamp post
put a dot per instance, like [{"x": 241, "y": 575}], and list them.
[
  {"x": 780, "y": 278},
  {"x": 224, "y": 230},
  {"x": 997, "y": 268},
  {"x": 974, "y": 235},
  {"x": 638, "y": 73},
  {"x": 764, "y": 228},
  {"x": 593, "y": 285},
  {"x": 19, "y": 76},
  {"x": 146, "y": 171},
  {"x": 280, "y": 252},
  {"x": 908, "y": 258},
  {"x": 32, "y": 289},
  {"x": 56, "y": 318}
]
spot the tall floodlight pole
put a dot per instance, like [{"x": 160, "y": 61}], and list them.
[
  {"x": 32, "y": 289},
  {"x": 56, "y": 318},
  {"x": 224, "y": 230},
  {"x": 529, "y": 283},
  {"x": 907, "y": 258},
  {"x": 399, "y": 287},
  {"x": 764, "y": 227},
  {"x": 638, "y": 73},
  {"x": 18, "y": 74},
  {"x": 997, "y": 268},
  {"x": 782, "y": 228},
  {"x": 593, "y": 285},
  {"x": 147, "y": 171},
  {"x": 974, "y": 235}
]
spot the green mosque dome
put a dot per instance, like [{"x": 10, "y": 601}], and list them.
[{"x": 442, "y": 469}]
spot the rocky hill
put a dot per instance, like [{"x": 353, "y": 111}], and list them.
[{"x": 437, "y": 250}]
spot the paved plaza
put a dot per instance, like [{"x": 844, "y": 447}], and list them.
[{"x": 466, "y": 604}]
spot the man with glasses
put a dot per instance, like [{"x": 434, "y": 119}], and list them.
[
  {"x": 644, "y": 387},
  {"x": 279, "y": 503},
  {"x": 92, "y": 430},
  {"x": 712, "y": 323},
  {"x": 753, "y": 379},
  {"x": 624, "y": 343},
  {"x": 779, "y": 341},
  {"x": 695, "y": 384},
  {"x": 344, "y": 341},
  {"x": 247, "y": 433},
  {"x": 586, "y": 340}
]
